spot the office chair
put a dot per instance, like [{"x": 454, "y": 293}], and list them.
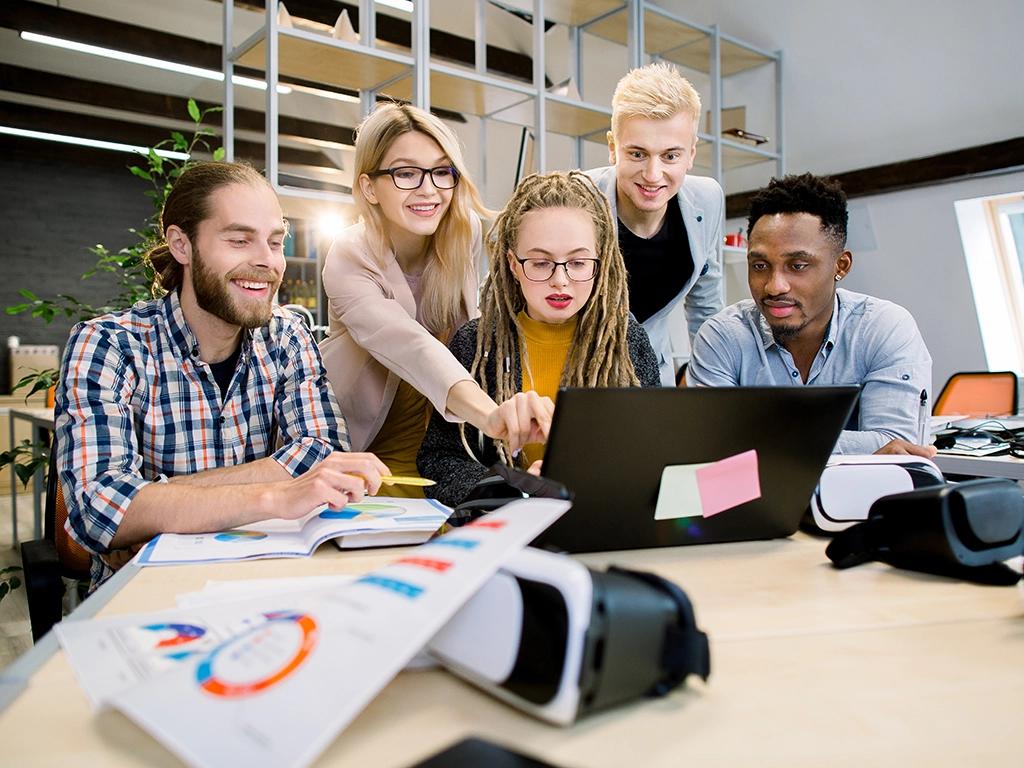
[
  {"x": 48, "y": 561},
  {"x": 978, "y": 394}
]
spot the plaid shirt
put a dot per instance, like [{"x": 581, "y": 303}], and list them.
[{"x": 136, "y": 405}]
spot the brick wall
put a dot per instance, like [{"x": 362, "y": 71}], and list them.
[{"x": 55, "y": 202}]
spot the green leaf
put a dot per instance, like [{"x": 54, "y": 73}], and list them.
[
  {"x": 179, "y": 140},
  {"x": 218, "y": 154},
  {"x": 17, "y": 309},
  {"x": 193, "y": 110},
  {"x": 140, "y": 173},
  {"x": 28, "y": 294}
]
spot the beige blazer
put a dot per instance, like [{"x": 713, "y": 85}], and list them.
[{"x": 374, "y": 340}]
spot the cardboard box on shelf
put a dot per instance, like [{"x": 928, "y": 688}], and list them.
[
  {"x": 732, "y": 117},
  {"x": 27, "y": 358}
]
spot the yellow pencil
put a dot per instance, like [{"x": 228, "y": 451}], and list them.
[{"x": 400, "y": 480}]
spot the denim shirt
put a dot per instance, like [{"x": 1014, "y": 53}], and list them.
[{"x": 870, "y": 342}]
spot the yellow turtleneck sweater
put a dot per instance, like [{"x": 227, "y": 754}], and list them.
[{"x": 543, "y": 350}]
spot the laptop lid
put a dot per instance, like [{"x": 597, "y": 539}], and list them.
[{"x": 609, "y": 447}]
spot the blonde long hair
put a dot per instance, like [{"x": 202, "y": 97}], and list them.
[
  {"x": 599, "y": 356},
  {"x": 452, "y": 244}
]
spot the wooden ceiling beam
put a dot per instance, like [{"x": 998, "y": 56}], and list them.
[
  {"x": 397, "y": 31},
  {"x": 33, "y": 82},
  {"x": 29, "y": 117},
  {"x": 1000, "y": 156}
]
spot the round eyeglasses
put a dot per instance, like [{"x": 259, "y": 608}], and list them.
[
  {"x": 411, "y": 177},
  {"x": 577, "y": 270}
]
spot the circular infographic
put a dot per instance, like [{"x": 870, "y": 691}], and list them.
[
  {"x": 240, "y": 536},
  {"x": 363, "y": 511},
  {"x": 171, "y": 635},
  {"x": 260, "y": 658}
]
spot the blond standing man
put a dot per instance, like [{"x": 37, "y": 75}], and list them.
[{"x": 669, "y": 224}]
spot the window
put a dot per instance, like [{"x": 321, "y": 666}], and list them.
[{"x": 992, "y": 231}]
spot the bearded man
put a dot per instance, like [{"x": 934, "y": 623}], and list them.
[{"x": 207, "y": 408}]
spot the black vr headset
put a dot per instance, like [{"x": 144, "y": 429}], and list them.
[
  {"x": 964, "y": 530},
  {"x": 558, "y": 640}
]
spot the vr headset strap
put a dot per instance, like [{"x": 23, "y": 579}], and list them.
[
  {"x": 685, "y": 650},
  {"x": 864, "y": 542}
]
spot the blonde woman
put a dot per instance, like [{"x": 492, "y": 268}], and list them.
[
  {"x": 400, "y": 283},
  {"x": 557, "y": 309}
]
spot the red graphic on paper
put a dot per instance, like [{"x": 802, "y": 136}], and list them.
[{"x": 426, "y": 562}]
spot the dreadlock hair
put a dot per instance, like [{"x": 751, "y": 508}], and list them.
[
  {"x": 599, "y": 356},
  {"x": 819, "y": 196},
  {"x": 187, "y": 206}
]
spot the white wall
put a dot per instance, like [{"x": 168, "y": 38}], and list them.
[
  {"x": 920, "y": 264},
  {"x": 878, "y": 81}
]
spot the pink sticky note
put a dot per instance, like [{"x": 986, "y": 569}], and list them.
[{"x": 728, "y": 483}]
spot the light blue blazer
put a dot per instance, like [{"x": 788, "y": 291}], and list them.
[{"x": 702, "y": 204}]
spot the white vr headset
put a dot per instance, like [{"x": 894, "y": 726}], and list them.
[
  {"x": 851, "y": 484},
  {"x": 558, "y": 640}
]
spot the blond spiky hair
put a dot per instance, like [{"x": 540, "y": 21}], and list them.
[{"x": 656, "y": 91}]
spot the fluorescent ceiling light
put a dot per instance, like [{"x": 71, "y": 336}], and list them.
[
  {"x": 400, "y": 5},
  {"x": 146, "y": 61},
  {"x": 325, "y": 94},
  {"x": 91, "y": 142}
]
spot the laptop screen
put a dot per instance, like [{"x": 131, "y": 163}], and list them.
[{"x": 611, "y": 447}]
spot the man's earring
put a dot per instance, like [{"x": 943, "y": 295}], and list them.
[{"x": 838, "y": 278}]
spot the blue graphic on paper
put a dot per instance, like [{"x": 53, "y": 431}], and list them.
[{"x": 406, "y": 590}]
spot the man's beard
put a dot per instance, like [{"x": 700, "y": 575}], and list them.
[
  {"x": 212, "y": 295},
  {"x": 785, "y": 333}
]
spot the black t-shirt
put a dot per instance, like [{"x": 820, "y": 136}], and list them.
[
  {"x": 225, "y": 370},
  {"x": 658, "y": 268}
]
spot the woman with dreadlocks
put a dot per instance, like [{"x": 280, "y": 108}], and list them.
[{"x": 557, "y": 312}]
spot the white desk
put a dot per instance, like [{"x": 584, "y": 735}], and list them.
[
  {"x": 41, "y": 420},
  {"x": 981, "y": 466},
  {"x": 810, "y": 666}
]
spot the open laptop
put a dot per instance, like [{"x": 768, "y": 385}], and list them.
[{"x": 610, "y": 446}]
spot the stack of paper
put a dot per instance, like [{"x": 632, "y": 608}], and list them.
[{"x": 272, "y": 681}]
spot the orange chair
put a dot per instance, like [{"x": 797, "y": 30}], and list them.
[{"x": 978, "y": 394}]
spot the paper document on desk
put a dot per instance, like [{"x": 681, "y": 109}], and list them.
[
  {"x": 377, "y": 521},
  {"x": 974, "y": 446},
  {"x": 301, "y": 669},
  {"x": 113, "y": 654}
]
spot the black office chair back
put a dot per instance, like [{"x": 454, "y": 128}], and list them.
[{"x": 48, "y": 561}]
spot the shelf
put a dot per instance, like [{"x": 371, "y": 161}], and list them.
[
  {"x": 508, "y": 101},
  {"x": 466, "y": 91},
  {"x": 734, "y": 255},
  {"x": 732, "y": 156},
  {"x": 679, "y": 42},
  {"x": 577, "y": 12},
  {"x": 565, "y": 116},
  {"x": 322, "y": 59},
  {"x": 735, "y": 58},
  {"x": 308, "y": 52}
]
